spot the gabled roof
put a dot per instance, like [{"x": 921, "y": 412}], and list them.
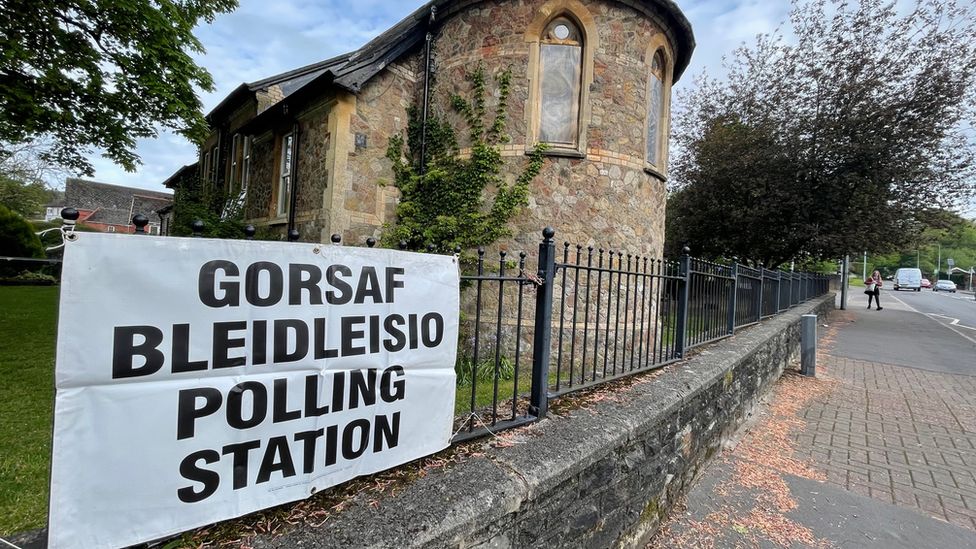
[
  {"x": 112, "y": 204},
  {"x": 186, "y": 171},
  {"x": 288, "y": 82},
  {"x": 353, "y": 70}
]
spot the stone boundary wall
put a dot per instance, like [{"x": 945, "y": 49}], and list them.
[{"x": 603, "y": 474}]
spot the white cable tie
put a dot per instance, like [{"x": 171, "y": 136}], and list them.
[
  {"x": 480, "y": 420},
  {"x": 9, "y": 544}
]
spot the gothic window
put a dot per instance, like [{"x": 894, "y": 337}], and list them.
[
  {"x": 656, "y": 123},
  {"x": 561, "y": 61}
]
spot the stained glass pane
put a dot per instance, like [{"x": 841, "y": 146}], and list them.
[
  {"x": 655, "y": 111},
  {"x": 559, "y": 113}
]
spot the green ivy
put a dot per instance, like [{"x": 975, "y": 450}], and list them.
[
  {"x": 447, "y": 205},
  {"x": 203, "y": 202}
]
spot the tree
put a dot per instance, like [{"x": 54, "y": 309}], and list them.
[
  {"x": 949, "y": 233},
  {"x": 100, "y": 74},
  {"x": 24, "y": 198},
  {"x": 831, "y": 141}
]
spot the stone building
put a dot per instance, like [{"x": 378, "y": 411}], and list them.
[{"x": 591, "y": 78}]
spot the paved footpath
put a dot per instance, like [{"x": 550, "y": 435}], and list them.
[{"x": 869, "y": 454}]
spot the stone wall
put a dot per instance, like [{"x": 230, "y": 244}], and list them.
[
  {"x": 367, "y": 198},
  {"x": 604, "y": 475},
  {"x": 606, "y": 199},
  {"x": 315, "y": 152},
  {"x": 261, "y": 181}
]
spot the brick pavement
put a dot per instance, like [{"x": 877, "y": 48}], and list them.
[
  {"x": 867, "y": 454},
  {"x": 899, "y": 435}
]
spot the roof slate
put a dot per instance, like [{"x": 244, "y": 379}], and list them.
[{"x": 113, "y": 204}]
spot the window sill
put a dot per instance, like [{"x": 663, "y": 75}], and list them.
[
  {"x": 562, "y": 152},
  {"x": 651, "y": 170},
  {"x": 278, "y": 220}
]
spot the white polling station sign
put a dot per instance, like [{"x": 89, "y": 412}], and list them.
[{"x": 199, "y": 380}]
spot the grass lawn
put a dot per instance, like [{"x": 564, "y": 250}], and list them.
[{"x": 27, "y": 334}]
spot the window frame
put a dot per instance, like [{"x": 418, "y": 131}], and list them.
[
  {"x": 575, "y": 39},
  {"x": 286, "y": 158},
  {"x": 246, "y": 163},
  {"x": 581, "y": 17},
  {"x": 658, "y": 166},
  {"x": 206, "y": 167},
  {"x": 235, "y": 149}
]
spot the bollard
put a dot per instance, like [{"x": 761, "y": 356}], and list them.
[
  {"x": 808, "y": 345},
  {"x": 844, "y": 282}
]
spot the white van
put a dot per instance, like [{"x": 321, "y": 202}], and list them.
[{"x": 908, "y": 279}]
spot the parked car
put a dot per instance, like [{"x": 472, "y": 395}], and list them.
[
  {"x": 926, "y": 283},
  {"x": 944, "y": 286},
  {"x": 908, "y": 279}
]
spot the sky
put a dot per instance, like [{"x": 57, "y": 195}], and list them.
[{"x": 262, "y": 38}]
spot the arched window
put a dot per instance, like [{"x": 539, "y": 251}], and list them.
[
  {"x": 561, "y": 62},
  {"x": 656, "y": 111}
]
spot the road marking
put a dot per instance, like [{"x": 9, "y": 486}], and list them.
[
  {"x": 955, "y": 321},
  {"x": 951, "y": 327}
]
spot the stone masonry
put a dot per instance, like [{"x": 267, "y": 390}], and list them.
[
  {"x": 601, "y": 472},
  {"x": 600, "y": 192}
]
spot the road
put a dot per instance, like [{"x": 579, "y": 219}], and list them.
[{"x": 933, "y": 331}]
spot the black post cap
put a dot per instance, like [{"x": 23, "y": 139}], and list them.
[
  {"x": 370, "y": 242},
  {"x": 140, "y": 221},
  {"x": 249, "y": 232},
  {"x": 548, "y": 233},
  {"x": 198, "y": 226},
  {"x": 70, "y": 214},
  {"x": 402, "y": 245},
  {"x": 293, "y": 235},
  {"x": 337, "y": 238}
]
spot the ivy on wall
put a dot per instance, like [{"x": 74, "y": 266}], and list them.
[{"x": 458, "y": 201}]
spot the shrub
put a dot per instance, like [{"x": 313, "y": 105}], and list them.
[
  {"x": 17, "y": 238},
  {"x": 485, "y": 370},
  {"x": 28, "y": 278}
]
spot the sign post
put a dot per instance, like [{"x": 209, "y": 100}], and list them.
[{"x": 199, "y": 380}]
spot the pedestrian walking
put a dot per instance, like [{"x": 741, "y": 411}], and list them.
[{"x": 872, "y": 287}]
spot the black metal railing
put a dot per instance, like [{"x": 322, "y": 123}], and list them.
[
  {"x": 492, "y": 347},
  {"x": 614, "y": 316},
  {"x": 585, "y": 316}
]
